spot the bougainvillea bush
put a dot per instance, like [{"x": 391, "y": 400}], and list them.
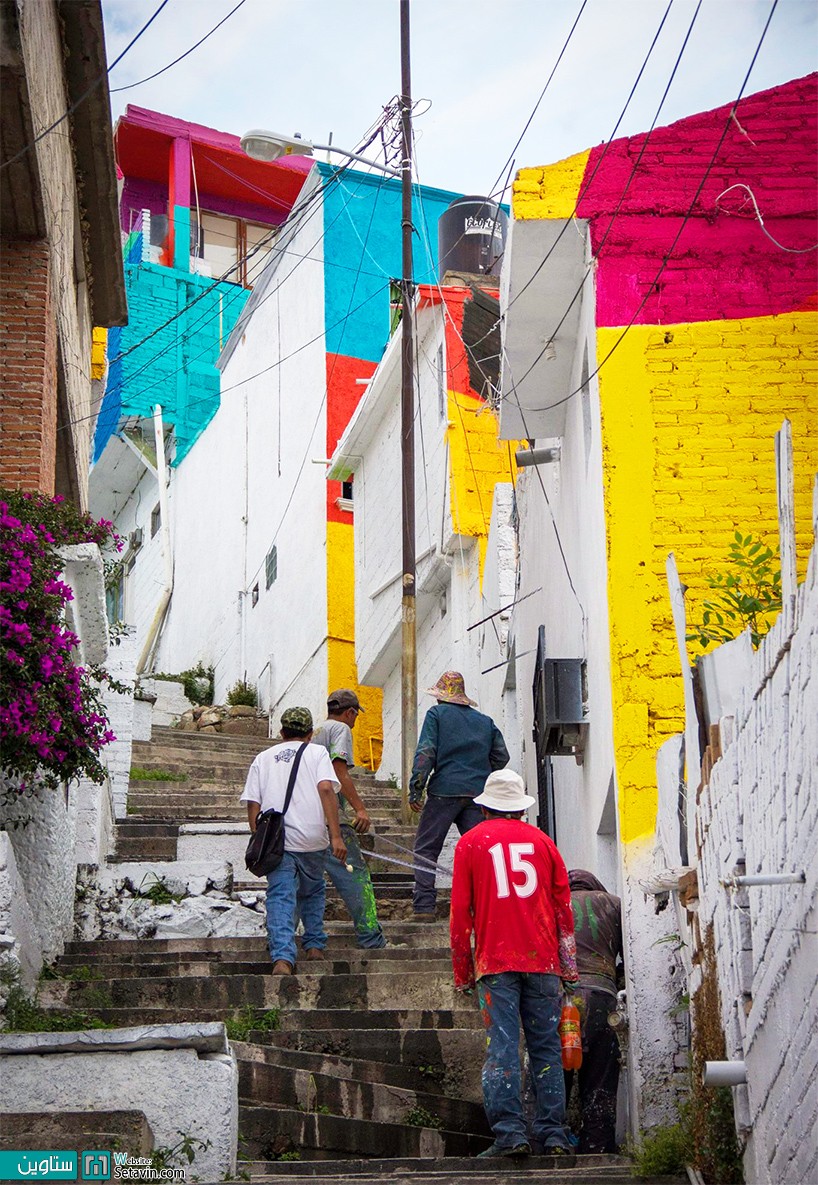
[{"x": 53, "y": 724}]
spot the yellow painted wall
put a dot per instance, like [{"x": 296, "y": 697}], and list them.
[
  {"x": 99, "y": 341},
  {"x": 477, "y": 461},
  {"x": 342, "y": 670},
  {"x": 689, "y": 416},
  {"x": 550, "y": 192}
]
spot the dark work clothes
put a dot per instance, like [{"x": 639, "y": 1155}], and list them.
[
  {"x": 598, "y": 935},
  {"x": 438, "y": 816},
  {"x": 459, "y": 747},
  {"x": 598, "y": 1074}
]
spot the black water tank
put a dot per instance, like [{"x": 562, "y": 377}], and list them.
[{"x": 471, "y": 236}]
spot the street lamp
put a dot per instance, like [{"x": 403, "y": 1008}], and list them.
[{"x": 263, "y": 145}]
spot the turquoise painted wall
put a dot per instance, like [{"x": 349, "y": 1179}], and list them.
[
  {"x": 362, "y": 251},
  {"x": 176, "y": 367}
]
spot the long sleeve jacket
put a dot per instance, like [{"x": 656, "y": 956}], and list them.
[{"x": 457, "y": 749}]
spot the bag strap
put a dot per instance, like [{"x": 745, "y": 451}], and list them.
[{"x": 293, "y": 773}]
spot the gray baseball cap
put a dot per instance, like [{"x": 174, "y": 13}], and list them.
[{"x": 339, "y": 701}]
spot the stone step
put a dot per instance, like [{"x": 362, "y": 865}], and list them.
[
  {"x": 411, "y": 934},
  {"x": 333, "y": 1019},
  {"x": 265, "y": 1128},
  {"x": 77, "y": 1131},
  {"x": 120, "y": 955},
  {"x": 539, "y": 1170},
  {"x": 177, "y": 737},
  {"x": 311, "y": 988},
  {"x": 121, "y": 969},
  {"x": 407, "y": 1076},
  {"x": 338, "y": 1091}
]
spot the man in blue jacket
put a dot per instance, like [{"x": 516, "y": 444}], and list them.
[{"x": 457, "y": 749}]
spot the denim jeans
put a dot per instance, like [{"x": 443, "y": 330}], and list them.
[
  {"x": 299, "y": 876},
  {"x": 436, "y": 818},
  {"x": 356, "y": 890},
  {"x": 505, "y": 1000}
]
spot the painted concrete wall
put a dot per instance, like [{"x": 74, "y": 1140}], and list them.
[
  {"x": 761, "y": 808},
  {"x": 689, "y": 399}
]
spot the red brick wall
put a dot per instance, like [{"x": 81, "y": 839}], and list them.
[{"x": 28, "y": 367}]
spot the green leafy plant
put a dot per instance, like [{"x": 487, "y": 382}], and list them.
[
  {"x": 747, "y": 596},
  {"x": 24, "y": 1015},
  {"x": 289, "y": 1156},
  {"x": 171, "y": 1156},
  {"x": 249, "y": 1018},
  {"x": 158, "y": 892},
  {"x": 243, "y": 693},
  {"x": 138, "y": 774},
  {"x": 197, "y": 683},
  {"x": 662, "y": 1151},
  {"x": 420, "y": 1117}
]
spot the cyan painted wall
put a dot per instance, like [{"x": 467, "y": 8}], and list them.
[{"x": 177, "y": 366}]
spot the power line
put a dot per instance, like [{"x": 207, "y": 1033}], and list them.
[
  {"x": 117, "y": 89},
  {"x": 85, "y": 94},
  {"x": 666, "y": 257}
]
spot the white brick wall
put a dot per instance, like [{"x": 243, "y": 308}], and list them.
[{"x": 761, "y": 810}]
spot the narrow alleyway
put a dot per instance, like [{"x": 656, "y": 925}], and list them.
[{"x": 365, "y": 1066}]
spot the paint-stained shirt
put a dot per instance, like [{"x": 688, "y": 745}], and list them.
[
  {"x": 458, "y": 748},
  {"x": 510, "y": 888},
  {"x": 598, "y": 932}
]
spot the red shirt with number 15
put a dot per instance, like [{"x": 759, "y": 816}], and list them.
[{"x": 510, "y": 887}]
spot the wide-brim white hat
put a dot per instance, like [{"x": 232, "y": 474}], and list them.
[{"x": 504, "y": 791}]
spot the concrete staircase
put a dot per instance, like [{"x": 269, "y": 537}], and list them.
[{"x": 365, "y": 1066}]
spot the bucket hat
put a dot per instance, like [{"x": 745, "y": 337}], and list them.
[
  {"x": 504, "y": 791},
  {"x": 450, "y": 689}
]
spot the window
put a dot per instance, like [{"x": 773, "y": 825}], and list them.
[
  {"x": 271, "y": 565},
  {"x": 115, "y": 595},
  {"x": 346, "y": 490},
  {"x": 156, "y": 520},
  {"x": 254, "y": 596},
  {"x": 224, "y": 244}
]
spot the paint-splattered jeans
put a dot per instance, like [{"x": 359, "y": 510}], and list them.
[
  {"x": 505, "y": 1000},
  {"x": 356, "y": 890}
]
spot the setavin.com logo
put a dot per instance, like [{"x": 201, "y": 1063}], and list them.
[{"x": 92, "y": 1165}]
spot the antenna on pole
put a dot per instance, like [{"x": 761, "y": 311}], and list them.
[{"x": 409, "y": 676}]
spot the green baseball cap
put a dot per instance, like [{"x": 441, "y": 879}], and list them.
[{"x": 297, "y": 719}]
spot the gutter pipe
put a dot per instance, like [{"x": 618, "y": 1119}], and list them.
[{"x": 152, "y": 640}]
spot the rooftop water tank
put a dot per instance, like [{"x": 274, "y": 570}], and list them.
[{"x": 471, "y": 236}]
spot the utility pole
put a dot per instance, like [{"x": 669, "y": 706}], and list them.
[{"x": 409, "y": 672}]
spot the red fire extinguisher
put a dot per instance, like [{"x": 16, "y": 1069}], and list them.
[{"x": 570, "y": 1036}]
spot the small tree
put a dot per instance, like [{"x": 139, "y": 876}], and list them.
[{"x": 746, "y": 597}]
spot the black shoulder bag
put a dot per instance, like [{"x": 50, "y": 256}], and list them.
[{"x": 266, "y": 846}]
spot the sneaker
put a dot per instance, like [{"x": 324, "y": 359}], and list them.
[
  {"x": 506, "y": 1150},
  {"x": 282, "y": 967},
  {"x": 557, "y": 1150},
  {"x": 314, "y": 954}
]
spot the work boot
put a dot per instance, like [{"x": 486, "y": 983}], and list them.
[
  {"x": 424, "y": 915},
  {"x": 314, "y": 954},
  {"x": 514, "y": 1150},
  {"x": 282, "y": 967}
]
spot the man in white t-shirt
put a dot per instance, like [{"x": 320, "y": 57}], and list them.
[
  {"x": 313, "y": 811},
  {"x": 351, "y": 877}
]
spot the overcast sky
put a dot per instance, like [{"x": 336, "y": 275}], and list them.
[{"x": 329, "y": 66}]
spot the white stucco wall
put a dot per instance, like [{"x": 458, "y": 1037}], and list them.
[
  {"x": 761, "y": 810},
  {"x": 249, "y": 482},
  {"x": 576, "y": 620}
]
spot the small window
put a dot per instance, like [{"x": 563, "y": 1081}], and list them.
[
  {"x": 156, "y": 520},
  {"x": 115, "y": 595},
  {"x": 346, "y": 490},
  {"x": 271, "y": 565},
  {"x": 254, "y": 596}
]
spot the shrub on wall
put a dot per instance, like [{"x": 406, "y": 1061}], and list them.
[
  {"x": 53, "y": 724},
  {"x": 243, "y": 693}
]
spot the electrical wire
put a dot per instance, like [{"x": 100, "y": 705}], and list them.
[
  {"x": 117, "y": 89},
  {"x": 85, "y": 94},
  {"x": 781, "y": 247},
  {"x": 669, "y": 252}
]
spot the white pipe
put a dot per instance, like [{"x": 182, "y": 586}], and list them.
[
  {"x": 765, "y": 878},
  {"x": 164, "y": 539},
  {"x": 724, "y": 1074}
]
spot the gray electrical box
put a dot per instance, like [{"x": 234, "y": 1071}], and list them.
[{"x": 564, "y": 701}]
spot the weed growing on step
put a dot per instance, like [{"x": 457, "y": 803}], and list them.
[
  {"x": 420, "y": 1117},
  {"x": 248, "y": 1019},
  {"x": 138, "y": 774},
  {"x": 289, "y": 1156},
  {"x": 663, "y": 1150},
  {"x": 436, "y": 1073},
  {"x": 186, "y": 1148},
  {"x": 24, "y": 1015},
  {"x": 81, "y": 974},
  {"x": 158, "y": 892}
]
